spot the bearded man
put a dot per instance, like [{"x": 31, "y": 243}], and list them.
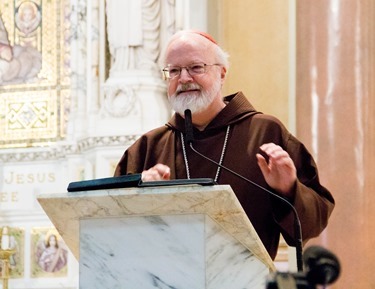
[{"x": 230, "y": 131}]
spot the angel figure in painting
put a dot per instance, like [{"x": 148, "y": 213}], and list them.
[{"x": 52, "y": 257}]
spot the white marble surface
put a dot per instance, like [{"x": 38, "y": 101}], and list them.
[
  {"x": 174, "y": 251},
  {"x": 143, "y": 252},
  {"x": 202, "y": 231}
]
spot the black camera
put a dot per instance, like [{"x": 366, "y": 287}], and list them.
[{"x": 321, "y": 268}]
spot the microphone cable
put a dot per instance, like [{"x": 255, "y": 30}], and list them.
[{"x": 297, "y": 222}]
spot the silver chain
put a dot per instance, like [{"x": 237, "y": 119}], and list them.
[{"x": 221, "y": 157}]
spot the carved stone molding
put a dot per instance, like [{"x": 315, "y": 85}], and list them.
[
  {"x": 60, "y": 151},
  {"x": 118, "y": 100}
]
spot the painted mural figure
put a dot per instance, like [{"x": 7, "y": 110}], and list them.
[
  {"x": 28, "y": 17},
  {"x": 6, "y": 52},
  {"x": 52, "y": 257},
  {"x": 18, "y": 63}
]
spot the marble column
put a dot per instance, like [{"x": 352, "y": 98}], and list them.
[{"x": 336, "y": 120}]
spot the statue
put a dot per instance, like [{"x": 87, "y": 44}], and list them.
[{"x": 133, "y": 34}]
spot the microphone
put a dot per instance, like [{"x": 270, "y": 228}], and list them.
[
  {"x": 188, "y": 127},
  {"x": 297, "y": 224},
  {"x": 322, "y": 266}
]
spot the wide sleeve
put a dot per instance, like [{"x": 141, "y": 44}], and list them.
[
  {"x": 312, "y": 201},
  {"x": 156, "y": 146},
  {"x": 132, "y": 161}
]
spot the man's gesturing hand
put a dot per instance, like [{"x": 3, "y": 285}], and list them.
[{"x": 280, "y": 171}]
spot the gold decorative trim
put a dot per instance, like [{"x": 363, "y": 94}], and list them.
[{"x": 35, "y": 82}]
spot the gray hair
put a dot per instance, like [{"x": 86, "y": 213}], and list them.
[{"x": 222, "y": 57}]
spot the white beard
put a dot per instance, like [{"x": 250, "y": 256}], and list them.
[{"x": 196, "y": 101}]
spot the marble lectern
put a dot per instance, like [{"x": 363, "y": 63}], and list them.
[{"x": 183, "y": 237}]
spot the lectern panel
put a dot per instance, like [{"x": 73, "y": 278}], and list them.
[{"x": 172, "y": 251}]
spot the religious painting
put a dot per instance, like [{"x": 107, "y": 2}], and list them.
[
  {"x": 21, "y": 59},
  {"x": 49, "y": 254},
  {"x": 15, "y": 240},
  {"x": 34, "y": 68}
]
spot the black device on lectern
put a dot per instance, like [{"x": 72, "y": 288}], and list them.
[{"x": 131, "y": 181}]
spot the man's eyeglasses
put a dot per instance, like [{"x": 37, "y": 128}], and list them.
[{"x": 170, "y": 72}]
